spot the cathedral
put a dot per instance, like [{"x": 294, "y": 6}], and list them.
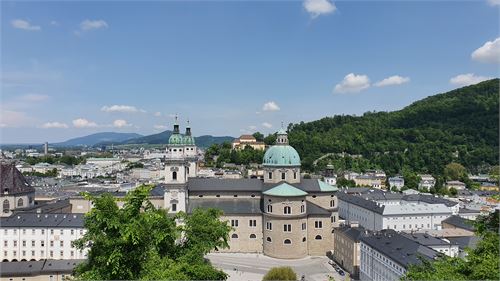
[{"x": 282, "y": 216}]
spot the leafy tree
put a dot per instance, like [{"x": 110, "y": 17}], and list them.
[
  {"x": 453, "y": 191},
  {"x": 411, "y": 179},
  {"x": 270, "y": 139},
  {"x": 140, "y": 241},
  {"x": 341, "y": 181},
  {"x": 481, "y": 263},
  {"x": 455, "y": 171},
  {"x": 280, "y": 273},
  {"x": 258, "y": 136}
]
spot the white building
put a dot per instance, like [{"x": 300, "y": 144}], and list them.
[
  {"x": 104, "y": 162},
  {"x": 32, "y": 236},
  {"x": 386, "y": 255},
  {"x": 386, "y": 210},
  {"x": 426, "y": 181},
  {"x": 397, "y": 182}
]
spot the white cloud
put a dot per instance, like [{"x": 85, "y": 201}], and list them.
[
  {"x": 489, "y": 52},
  {"x": 494, "y": 2},
  {"x": 157, "y": 114},
  {"x": 252, "y": 127},
  {"x": 53, "y": 22},
  {"x": 23, "y": 24},
  {"x": 93, "y": 24},
  {"x": 160, "y": 127},
  {"x": 467, "y": 79},
  {"x": 34, "y": 98},
  {"x": 10, "y": 118},
  {"x": 83, "y": 123},
  {"x": 319, "y": 7},
  {"x": 393, "y": 80},
  {"x": 270, "y": 106},
  {"x": 120, "y": 123},
  {"x": 267, "y": 125},
  {"x": 353, "y": 83},
  {"x": 119, "y": 108},
  {"x": 57, "y": 125}
]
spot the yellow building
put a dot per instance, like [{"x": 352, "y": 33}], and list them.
[{"x": 244, "y": 140}]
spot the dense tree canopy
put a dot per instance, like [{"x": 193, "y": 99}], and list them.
[
  {"x": 280, "y": 273},
  {"x": 481, "y": 263},
  {"x": 459, "y": 126},
  {"x": 219, "y": 154},
  {"x": 140, "y": 241}
]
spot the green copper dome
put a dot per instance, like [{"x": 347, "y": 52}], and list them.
[
  {"x": 188, "y": 140},
  {"x": 175, "y": 139},
  {"x": 281, "y": 155}
]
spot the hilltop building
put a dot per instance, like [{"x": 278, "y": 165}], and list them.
[{"x": 244, "y": 140}]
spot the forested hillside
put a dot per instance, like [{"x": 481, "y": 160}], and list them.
[{"x": 457, "y": 126}]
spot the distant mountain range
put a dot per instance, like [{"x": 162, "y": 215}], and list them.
[{"x": 108, "y": 138}]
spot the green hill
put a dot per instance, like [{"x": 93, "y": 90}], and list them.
[
  {"x": 162, "y": 138},
  {"x": 460, "y": 126}
]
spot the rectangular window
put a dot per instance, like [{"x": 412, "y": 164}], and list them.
[
  {"x": 32, "y": 243},
  {"x": 72, "y": 231},
  {"x": 234, "y": 223},
  {"x": 61, "y": 254},
  {"x": 5, "y": 243},
  {"x": 15, "y": 231},
  {"x": 302, "y": 209},
  {"x": 43, "y": 231},
  {"x": 304, "y": 226},
  {"x": 32, "y": 253},
  {"x": 61, "y": 243},
  {"x": 51, "y": 243},
  {"x": 42, "y": 253},
  {"x": 294, "y": 175},
  {"x": 24, "y": 231},
  {"x": 42, "y": 243},
  {"x": 287, "y": 228},
  {"x": 283, "y": 175},
  {"x": 72, "y": 253},
  {"x": 33, "y": 232},
  {"x": 318, "y": 224},
  {"x": 24, "y": 243},
  {"x": 61, "y": 231},
  {"x": 174, "y": 207},
  {"x": 24, "y": 253},
  {"x": 51, "y": 232},
  {"x": 270, "y": 175},
  {"x": 269, "y": 226},
  {"x": 252, "y": 223},
  {"x": 15, "y": 243},
  {"x": 51, "y": 254}
]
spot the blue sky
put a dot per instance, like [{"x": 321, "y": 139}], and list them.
[{"x": 70, "y": 69}]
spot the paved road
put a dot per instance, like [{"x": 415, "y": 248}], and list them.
[{"x": 255, "y": 266}]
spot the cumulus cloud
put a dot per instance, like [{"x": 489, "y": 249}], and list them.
[
  {"x": 267, "y": 125},
  {"x": 270, "y": 106},
  {"x": 87, "y": 24},
  {"x": 83, "y": 123},
  {"x": 319, "y": 7},
  {"x": 393, "y": 80},
  {"x": 120, "y": 123},
  {"x": 488, "y": 53},
  {"x": 494, "y": 2},
  {"x": 34, "y": 98},
  {"x": 352, "y": 83},
  {"x": 11, "y": 118},
  {"x": 119, "y": 108},
  {"x": 160, "y": 127},
  {"x": 25, "y": 25},
  {"x": 55, "y": 125},
  {"x": 467, "y": 79}
]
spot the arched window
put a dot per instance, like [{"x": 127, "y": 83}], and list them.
[
  {"x": 304, "y": 239},
  {"x": 287, "y": 241},
  {"x": 269, "y": 239},
  {"x": 269, "y": 208},
  {"x": 332, "y": 203},
  {"x": 318, "y": 237},
  {"x": 287, "y": 210},
  {"x": 253, "y": 236},
  {"x": 174, "y": 176},
  {"x": 6, "y": 206},
  {"x": 234, "y": 236},
  {"x": 20, "y": 202},
  {"x": 302, "y": 209}
]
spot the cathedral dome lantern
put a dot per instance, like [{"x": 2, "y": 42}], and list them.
[
  {"x": 176, "y": 138},
  {"x": 281, "y": 161},
  {"x": 188, "y": 139}
]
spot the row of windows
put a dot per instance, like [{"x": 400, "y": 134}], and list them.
[
  {"x": 288, "y": 227},
  {"x": 218, "y": 195},
  {"x": 6, "y": 204},
  {"x": 289, "y": 241},
  {"x": 24, "y": 231},
  {"x": 33, "y": 243},
  {"x": 251, "y": 223},
  {"x": 180, "y": 149},
  {"x": 235, "y": 236},
  {"x": 283, "y": 176},
  {"x": 42, "y": 253}
]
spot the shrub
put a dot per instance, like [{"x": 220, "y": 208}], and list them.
[{"x": 280, "y": 273}]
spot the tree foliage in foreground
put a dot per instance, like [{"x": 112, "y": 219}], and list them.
[
  {"x": 142, "y": 242},
  {"x": 481, "y": 263},
  {"x": 280, "y": 273}
]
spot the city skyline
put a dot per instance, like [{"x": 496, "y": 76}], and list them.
[{"x": 72, "y": 69}]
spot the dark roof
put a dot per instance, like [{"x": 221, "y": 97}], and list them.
[
  {"x": 362, "y": 202},
  {"x": 313, "y": 209},
  {"x": 33, "y": 268},
  {"x": 429, "y": 199},
  {"x": 485, "y": 193},
  {"x": 467, "y": 211},
  {"x": 12, "y": 181},
  {"x": 228, "y": 206},
  {"x": 460, "y": 222},
  {"x": 425, "y": 239},
  {"x": 212, "y": 184},
  {"x": 69, "y": 220},
  {"x": 400, "y": 249},
  {"x": 48, "y": 207},
  {"x": 465, "y": 241},
  {"x": 352, "y": 232}
]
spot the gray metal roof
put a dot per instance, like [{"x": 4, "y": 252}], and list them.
[
  {"x": 228, "y": 206},
  {"x": 354, "y": 233},
  {"x": 465, "y": 241},
  {"x": 212, "y": 184},
  {"x": 33, "y": 268},
  {"x": 362, "y": 202},
  {"x": 460, "y": 222},
  {"x": 63, "y": 220},
  {"x": 400, "y": 249},
  {"x": 425, "y": 239},
  {"x": 12, "y": 181},
  {"x": 429, "y": 199},
  {"x": 48, "y": 207},
  {"x": 313, "y": 209}
]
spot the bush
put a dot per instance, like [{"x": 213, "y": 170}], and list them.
[{"x": 280, "y": 273}]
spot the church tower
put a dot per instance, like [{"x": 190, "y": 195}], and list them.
[
  {"x": 176, "y": 172},
  {"x": 190, "y": 152},
  {"x": 281, "y": 161}
]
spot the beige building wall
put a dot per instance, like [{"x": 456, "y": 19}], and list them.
[
  {"x": 27, "y": 201},
  {"x": 81, "y": 205},
  {"x": 248, "y": 237},
  {"x": 292, "y": 175},
  {"x": 346, "y": 252},
  {"x": 274, "y": 239},
  {"x": 319, "y": 247},
  {"x": 41, "y": 277}
]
